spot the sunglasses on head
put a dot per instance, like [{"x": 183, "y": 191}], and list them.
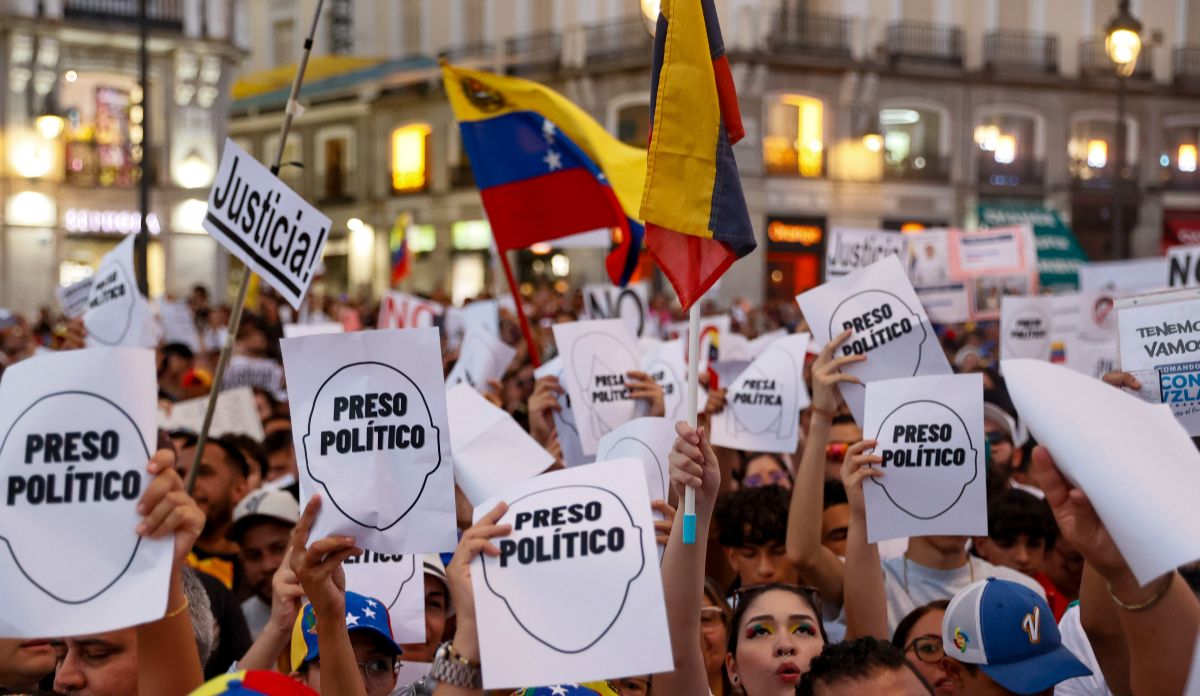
[{"x": 772, "y": 478}]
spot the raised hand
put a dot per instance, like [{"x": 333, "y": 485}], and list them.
[
  {"x": 827, "y": 374},
  {"x": 168, "y": 509},
  {"x": 319, "y": 567},
  {"x": 643, "y": 386},
  {"x": 855, "y": 471}
]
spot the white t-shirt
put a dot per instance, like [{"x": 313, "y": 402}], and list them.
[
  {"x": 1075, "y": 640},
  {"x": 925, "y": 585},
  {"x": 257, "y": 613}
]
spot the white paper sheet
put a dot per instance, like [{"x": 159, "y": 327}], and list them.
[
  {"x": 533, "y": 626},
  {"x": 491, "y": 451},
  {"x": 73, "y": 298},
  {"x": 851, "y": 249},
  {"x": 564, "y": 418},
  {"x": 383, "y": 390},
  {"x": 889, "y": 325},
  {"x": 1124, "y": 276},
  {"x": 482, "y": 358},
  {"x": 236, "y": 412},
  {"x": 179, "y": 324},
  {"x": 762, "y": 406},
  {"x": 398, "y": 582},
  {"x": 596, "y": 357},
  {"x": 117, "y": 313},
  {"x": 664, "y": 361},
  {"x": 70, "y": 562},
  {"x": 313, "y": 329},
  {"x": 930, "y": 433},
  {"x": 260, "y": 373},
  {"x": 1134, "y": 461}
]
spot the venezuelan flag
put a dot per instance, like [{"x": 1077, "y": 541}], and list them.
[
  {"x": 544, "y": 167},
  {"x": 697, "y": 223},
  {"x": 398, "y": 245}
]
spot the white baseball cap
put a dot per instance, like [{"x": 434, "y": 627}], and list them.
[{"x": 260, "y": 506}]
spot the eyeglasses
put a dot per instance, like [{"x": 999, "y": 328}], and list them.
[
  {"x": 379, "y": 669},
  {"x": 836, "y": 450},
  {"x": 773, "y": 478},
  {"x": 997, "y": 437},
  {"x": 711, "y": 616},
  {"x": 927, "y": 648}
]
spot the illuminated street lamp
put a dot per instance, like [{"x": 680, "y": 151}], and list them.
[
  {"x": 650, "y": 15},
  {"x": 1123, "y": 43}
]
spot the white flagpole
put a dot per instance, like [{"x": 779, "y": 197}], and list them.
[{"x": 693, "y": 390}]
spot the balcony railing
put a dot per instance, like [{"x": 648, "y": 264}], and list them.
[
  {"x": 1095, "y": 63},
  {"x": 1021, "y": 51},
  {"x": 1186, "y": 66},
  {"x": 468, "y": 52},
  {"x": 620, "y": 41},
  {"x": 802, "y": 33},
  {"x": 918, "y": 168},
  {"x": 1021, "y": 173},
  {"x": 1176, "y": 180},
  {"x": 160, "y": 14},
  {"x": 534, "y": 53},
  {"x": 920, "y": 42}
]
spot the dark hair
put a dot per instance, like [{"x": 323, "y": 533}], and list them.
[
  {"x": 900, "y": 636},
  {"x": 746, "y": 597},
  {"x": 226, "y": 444},
  {"x": 854, "y": 659},
  {"x": 277, "y": 441},
  {"x": 179, "y": 350},
  {"x": 251, "y": 450},
  {"x": 835, "y": 494},
  {"x": 714, "y": 594},
  {"x": 739, "y": 472},
  {"x": 752, "y": 517},
  {"x": 1015, "y": 512},
  {"x": 272, "y": 402}
]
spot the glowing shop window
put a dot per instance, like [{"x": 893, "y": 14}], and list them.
[{"x": 409, "y": 158}]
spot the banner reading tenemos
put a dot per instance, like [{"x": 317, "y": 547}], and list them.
[
  {"x": 265, "y": 224},
  {"x": 888, "y": 324},
  {"x": 370, "y": 429},
  {"x": 77, "y": 429},
  {"x": 584, "y": 532}
]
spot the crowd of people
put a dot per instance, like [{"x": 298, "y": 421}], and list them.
[{"x": 780, "y": 594}]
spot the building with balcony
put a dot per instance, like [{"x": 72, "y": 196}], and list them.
[
  {"x": 969, "y": 102},
  {"x": 70, "y": 182}
]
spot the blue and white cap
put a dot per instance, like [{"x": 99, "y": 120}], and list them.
[{"x": 1009, "y": 631}]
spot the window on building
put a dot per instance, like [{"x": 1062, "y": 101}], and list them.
[
  {"x": 410, "y": 161},
  {"x": 289, "y": 174},
  {"x": 633, "y": 124},
  {"x": 1179, "y": 161},
  {"x": 102, "y": 132},
  {"x": 1091, "y": 147},
  {"x": 1006, "y": 149},
  {"x": 335, "y": 163},
  {"x": 283, "y": 41},
  {"x": 412, "y": 28},
  {"x": 471, "y": 235},
  {"x": 794, "y": 144},
  {"x": 912, "y": 143},
  {"x": 422, "y": 238}
]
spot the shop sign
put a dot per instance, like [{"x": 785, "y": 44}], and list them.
[{"x": 89, "y": 221}]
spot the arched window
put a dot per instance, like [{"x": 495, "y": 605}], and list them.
[
  {"x": 1178, "y": 159},
  {"x": 1091, "y": 147},
  {"x": 915, "y": 141},
  {"x": 794, "y": 142},
  {"x": 335, "y": 163},
  {"x": 629, "y": 118},
  {"x": 410, "y": 157},
  {"x": 1009, "y": 146}
]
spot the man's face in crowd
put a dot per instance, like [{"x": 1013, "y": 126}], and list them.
[
  {"x": 282, "y": 462},
  {"x": 23, "y": 663},
  {"x": 757, "y": 565},
  {"x": 261, "y": 550},
  {"x": 104, "y": 664},
  {"x": 372, "y": 657},
  {"x": 219, "y": 486},
  {"x": 1021, "y": 553},
  {"x": 841, "y": 435},
  {"x": 835, "y": 521},
  {"x": 896, "y": 681},
  {"x": 1064, "y": 566},
  {"x": 1003, "y": 452},
  {"x": 436, "y": 602}
]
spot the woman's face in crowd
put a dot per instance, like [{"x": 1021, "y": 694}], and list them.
[
  {"x": 927, "y": 656},
  {"x": 778, "y": 636},
  {"x": 435, "y": 623},
  {"x": 714, "y": 635},
  {"x": 765, "y": 471}
]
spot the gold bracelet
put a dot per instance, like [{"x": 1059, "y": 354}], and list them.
[
  {"x": 1146, "y": 604},
  {"x": 177, "y": 612}
]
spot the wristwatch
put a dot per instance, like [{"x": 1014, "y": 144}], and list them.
[{"x": 451, "y": 668}]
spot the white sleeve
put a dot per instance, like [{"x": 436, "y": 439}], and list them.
[{"x": 1075, "y": 640}]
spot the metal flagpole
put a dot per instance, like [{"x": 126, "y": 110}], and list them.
[
  {"x": 235, "y": 317},
  {"x": 693, "y": 389}
]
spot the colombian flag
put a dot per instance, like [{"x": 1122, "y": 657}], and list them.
[
  {"x": 544, "y": 167},
  {"x": 398, "y": 245},
  {"x": 692, "y": 186}
]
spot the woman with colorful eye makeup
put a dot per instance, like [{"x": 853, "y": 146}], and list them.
[
  {"x": 919, "y": 635},
  {"x": 775, "y": 632}
]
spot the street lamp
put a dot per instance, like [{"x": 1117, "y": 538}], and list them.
[
  {"x": 1123, "y": 43},
  {"x": 650, "y": 10}
]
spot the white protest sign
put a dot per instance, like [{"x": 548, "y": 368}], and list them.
[
  {"x": 630, "y": 304},
  {"x": 179, "y": 324},
  {"x": 236, "y": 413},
  {"x": 578, "y": 534},
  {"x": 762, "y": 406},
  {"x": 711, "y": 328},
  {"x": 260, "y": 373},
  {"x": 1162, "y": 338},
  {"x": 664, "y": 362},
  {"x": 649, "y": 440},
  {"x": 491, "y": 450},
  {"x": 400, "y": 310},
  {"x": 596, "y": 357},
  {"x": 371, "y": 435},
  {"x": 312, "y": 329},
  {"x": 265, "y": 224},
  {"x": 484, "y": 314},
  {"x": 851, "y": 249},
  {"x": 930, "y": 435},
  {"x": 482, "y": 358},
  {"x": 117, "y": 313},
  {"x": 78, "y": 428},
  {"x": 397, "y": 581},
  {"x": 1124, "y": 276},
  {"x": 1039, "y": 327},
  {"x": 888, "y": 325},
  {"x": 1136, "y": 464},
  {"x": 565, "y": 428},
  {"x": 73, "y": 298},
  {"x": 1183, "y": 266}
]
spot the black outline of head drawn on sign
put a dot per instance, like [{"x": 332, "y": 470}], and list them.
[
  {"x": 411, "y": 573},
  {"x": 970, "y": 443},
  {"x": 437, "y": 441},
  {"x": 788, "y": 401},
  {"x": 631, "y": 540},
  {"x": 128, "y": 298},
  {"x": 916, "y": 317},
  {"x": 141, "y": 442},
  {"x": 1042, "y": 346},
  {"x": 677, "y": 394},
  {"x": 658, "y": 467},
  {"x": 600, "y": 425}
]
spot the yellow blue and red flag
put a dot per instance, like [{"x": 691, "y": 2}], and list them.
[
  {"x": 697, "y": 223},
  {"x": 398, "y": 245},
  {"x": 545, "y": 168}
]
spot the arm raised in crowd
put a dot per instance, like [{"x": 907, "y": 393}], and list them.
[
  {"x": 1098, "y": 617},
  {"x": 866, "y": 601},
  {"x": 693, "y": 465},
  {"x": 1160, "y": 621},
  {"x": 169, "y": 662},
  {"x": 819, "y": 566}
]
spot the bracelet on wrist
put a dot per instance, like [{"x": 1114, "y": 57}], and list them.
[
  {"x": 1143, "y": 606},
  {"x": 176, "y": 612}
]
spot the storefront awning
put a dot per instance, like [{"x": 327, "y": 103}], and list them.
[
  {"x": 1180, "y": 227},
  {"x": 333, "y": 82}
]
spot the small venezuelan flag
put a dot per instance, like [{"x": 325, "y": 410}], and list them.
[
  {"x": 398, "y": 244},
  {"x": 697, "y": 224},
  {"x": 544, "y": 167}
]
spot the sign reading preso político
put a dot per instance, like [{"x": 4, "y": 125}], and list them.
[{"x": 265, "y": 224}]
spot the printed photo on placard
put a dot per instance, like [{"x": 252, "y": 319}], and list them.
[
  {"x": 371, "y": 435},
  {"x": 397, "y": 582},
  {"x": 78, "y": 432},
  {"x": 763, "y": 404},
  {"x": 930, "y": 436},
  {"x": 888, "y": 324},
  {"x": 597, "y": 355},
  {"x": 582, "y": 532}
]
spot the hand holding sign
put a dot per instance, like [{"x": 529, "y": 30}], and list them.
[
  {"x": 319, "y": 567},
  {"x": 168, "y": 510}
]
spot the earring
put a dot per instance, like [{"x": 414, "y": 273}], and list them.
[{"x": 735, "y": 679}]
